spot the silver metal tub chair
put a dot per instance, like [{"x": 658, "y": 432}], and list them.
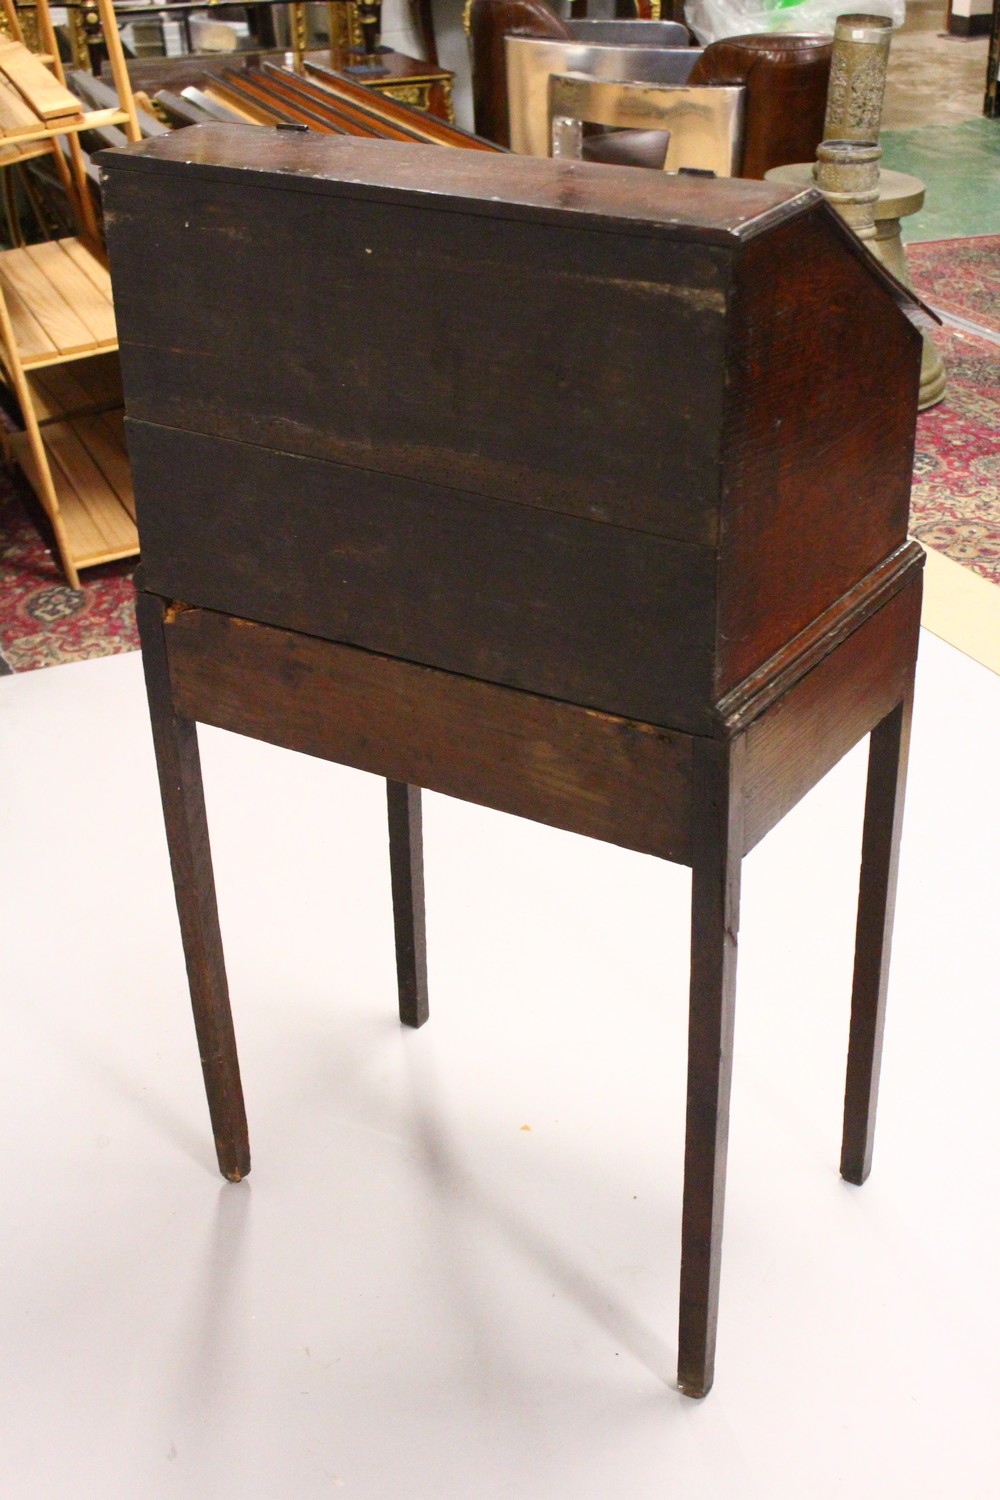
[{"x": 705, "y": 124}]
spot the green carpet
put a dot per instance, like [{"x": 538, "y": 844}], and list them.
[{"x": 960, "y": 165}]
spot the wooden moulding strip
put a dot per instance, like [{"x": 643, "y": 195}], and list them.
[
  {"x": 16, "y": 118},
  {"x": 237, "y": 107},
  {"x": 17, "y": 152},
  {"x": 96, "y": 119},
  {"x": 40, "y": 89},
  {"x": 336, "y": 110},
  {"x": 227, "y": 90},
  {"x": 252, "y": 85}
]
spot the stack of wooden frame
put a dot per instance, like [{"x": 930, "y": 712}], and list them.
[
  {"x": 321, "y": 98},
  {"x": 58, "y": 339}
]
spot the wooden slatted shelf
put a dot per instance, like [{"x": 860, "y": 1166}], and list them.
[
  {"x": 58, "y": 296},
  {"x": 72, "y": 390},
  {"x": 45, "y": 95},
  {"x": 58, "y": 339},
  {"x": 35, "y": 106},
  {"x": 89, "y": 467},
  {"x": 15, "y": 153}
]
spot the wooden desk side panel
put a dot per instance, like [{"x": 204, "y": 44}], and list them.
[
  {"x": 819, "y": 437},
  {"x": 569, "y": 369},
  {"x": 597, "y": 615},
  {"x": 568, "y": 767},
  {"x": 814, "y": 724}
]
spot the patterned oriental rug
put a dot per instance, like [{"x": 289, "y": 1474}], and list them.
[
  {"x": 960, "y": 277},
  {"x": 955, "y": 506},
  {"x": 43, "y": 622},
  {"x": 955, "y": 502}
]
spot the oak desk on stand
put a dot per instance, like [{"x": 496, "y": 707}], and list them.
[{"x": 619, "y": 544}]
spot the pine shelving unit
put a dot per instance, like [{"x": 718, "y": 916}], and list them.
[{"x": 58, "y": 340}]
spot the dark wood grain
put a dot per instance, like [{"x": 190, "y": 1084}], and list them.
[
  {"x": 595, "y": 615},
  {"x": 818, "y": 448},
  {"x": 361, "y": 118},
  {"x": 797, "y": 740},
  {"x": 429, "y": 126},
  {"x": 283, "y": 107},
  {"x": 764, "y": 686},
  {"x": 406, "y": 862},
  {"x": 489, "y": 184},
  {"x": 718, "y": 837},
  {"x": 887, "y": 763},
  {"x": 410, "y": 354},
  {"x": 590, "y": 773},
  {"x": 175, "y": 741}
]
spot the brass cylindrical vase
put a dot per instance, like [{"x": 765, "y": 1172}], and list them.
[
  {"x": 857, "y": 78},
  {"x": 847, "y": 176}
]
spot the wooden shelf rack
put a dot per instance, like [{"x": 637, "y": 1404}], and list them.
[
  {"x": 87, "y": 464},
  {"x": 58, "y": 340}
]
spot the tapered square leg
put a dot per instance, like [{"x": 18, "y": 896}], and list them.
[
  {"x": 715, "y": 916},
  {"x": 887, "y": 758},
  {"x": 406, "y": 862},
  {"x": 176, "y": 744}
]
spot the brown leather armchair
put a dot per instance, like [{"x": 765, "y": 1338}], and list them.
[
  {"x": 786, "y": 77},
  {"x": 489, "y": 22}
]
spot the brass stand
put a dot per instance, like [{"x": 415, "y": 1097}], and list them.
[{"x": 899, "y": 196}]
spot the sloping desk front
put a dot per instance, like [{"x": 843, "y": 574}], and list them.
[{"x": 574, "y": 491}]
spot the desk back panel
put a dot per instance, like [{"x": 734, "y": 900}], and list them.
[{"x": 600, "y": 434}]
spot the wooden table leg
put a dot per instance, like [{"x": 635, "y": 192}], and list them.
[
  {"x": 175, "y": 740},
  {"x": 717, "y": 822},
  {"x": 887, "y": 757},
  {"x": 406, "y": 862}
]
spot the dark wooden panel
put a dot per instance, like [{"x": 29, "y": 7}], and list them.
[
  {"x": 495, "y": 185},
  {"x": 597, "y": 615},
  {"x": 800, "y": 737},
  {"x": 818, "y": 440},
  {"x": 586, "y": 772},
  {"x": 796, "y": 657},
  {"x": 574, "y": 371}
]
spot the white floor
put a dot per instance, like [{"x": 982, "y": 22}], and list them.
[{"x": 453, "y": 1271}]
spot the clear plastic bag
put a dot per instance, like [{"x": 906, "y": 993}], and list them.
[{"x": 710, "y": 20}]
